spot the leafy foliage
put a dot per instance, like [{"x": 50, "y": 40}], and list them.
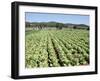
[{"x": 55, "y": 48}]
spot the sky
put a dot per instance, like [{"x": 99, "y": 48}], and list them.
[{"x": 63, "y": 18}]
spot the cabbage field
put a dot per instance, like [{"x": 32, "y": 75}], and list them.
[{"x": 56, "y": 48}]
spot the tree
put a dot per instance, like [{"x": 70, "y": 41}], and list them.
[
  {"x": 88, "y": 28},
  {"x": 59, "y": 25},
  {"x": 75, "y": 27},
  {"x": 27, "y": 24}
]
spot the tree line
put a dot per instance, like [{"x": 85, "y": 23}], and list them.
[{"x": 58, "y": 25}]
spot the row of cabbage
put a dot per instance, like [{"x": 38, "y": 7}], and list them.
[{"x": 54, "y": 48}]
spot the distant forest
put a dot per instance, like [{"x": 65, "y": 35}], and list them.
[{"x": 57, "y": 25}]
